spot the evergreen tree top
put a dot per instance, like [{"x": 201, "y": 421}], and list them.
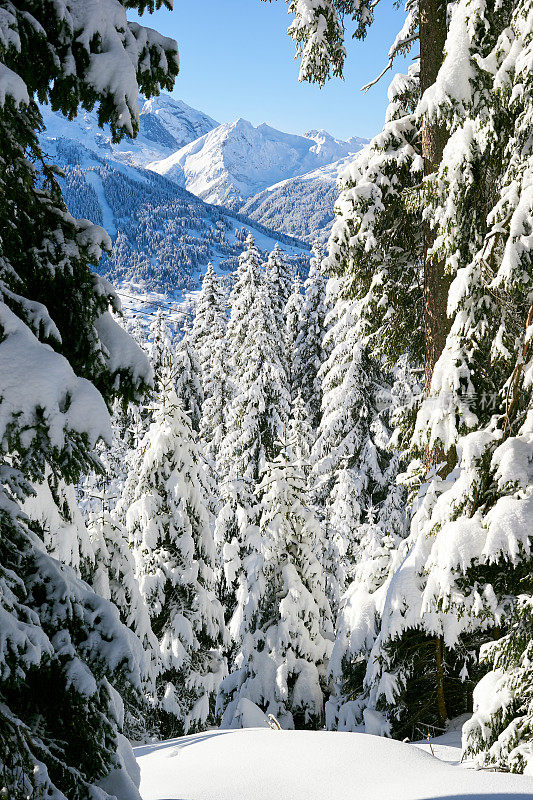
[{"x": 85, "y": 53}]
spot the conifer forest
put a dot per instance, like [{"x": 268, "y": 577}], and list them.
[{"x": 266, "y": 415}]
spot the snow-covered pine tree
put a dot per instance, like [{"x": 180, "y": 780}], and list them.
[
  {"x": 62, "y": 357},
  {"x": 500, "y": 731},
  {"x": 469, "y": 546},
  {"x": 209, "y": 308},
  {"x": 376, "y": 239},
  {"x": 59, "y": 522},
  {"x": 301, "y": 436},
  {"x": 188, "y": 379},
  {"x": 112, "y": 576},
  {"x": 373, "y": 560},
  {"x": 293, "y": 311},
  {"x": 287, "y": 625},
  {"x": 171, "y": 531},
  {"x": 256, "y": 423},
  {"x": 217, "y": 393},
  {"x": 475, "y": 206},
  {"x": 168, "y": 354},
  {"x": 161, "y": 349},
  {"x": 351, "y": 472},
  {"x": 309, "y": 350},
  {"x": 280, "y": 278}
]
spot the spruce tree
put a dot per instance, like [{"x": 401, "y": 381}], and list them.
[
  {"x": 171, "y": 530},
  {"x": 301, "y": 436},
  {"x": 500, "y": 732},
  {"x": 475, "y": 414},
  {"x": 351, "y": 463},
  {"x": 287, "y": 625},
  {"x": 217, "y": 393},
  {"x": 308, "y": 349},
  {"x": 161, "y": 350},
  {"x": 112, "y": 576},
  {"x": 63, "y": 357},
  {"x": 279, "y": 278},
  {"x": 209, "y": 307},
  {"x": 293, "y": 311},
  {"x": 441, "y": 198},
  {"x": 188, "y": 379},
  {"x": 257, "y": 419}
]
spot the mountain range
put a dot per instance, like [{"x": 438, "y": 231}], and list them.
[
  {"x": 235, "y": 161},
  {"x": 284, "y": 181},
  {"x": 188, "y": 190}
]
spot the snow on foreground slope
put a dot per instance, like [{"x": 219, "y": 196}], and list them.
[{"x": 262, "y": 764}]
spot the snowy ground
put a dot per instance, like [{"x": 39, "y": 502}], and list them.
[{"x": 263, "y": 764}]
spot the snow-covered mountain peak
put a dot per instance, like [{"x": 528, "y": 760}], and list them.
[
  {"x": 165, "y": 125},
  {"x": 172, "y": 122},
  {"x": 237, "y": 160}
]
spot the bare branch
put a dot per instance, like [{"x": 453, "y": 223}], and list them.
[
  {"x": 368, "y": 86},
  {"x": 399, "y": 48}
]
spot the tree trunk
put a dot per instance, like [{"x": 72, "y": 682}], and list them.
[
  {"x": 441, "y": 699},
  {"x": 436, "y": 282}
]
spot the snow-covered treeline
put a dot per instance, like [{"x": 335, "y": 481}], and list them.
[
  {"x": 247, "y": 509},
  {"x": 162, "y": 236}
]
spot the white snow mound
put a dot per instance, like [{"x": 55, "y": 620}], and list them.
[{"x": 259, "y": 764}]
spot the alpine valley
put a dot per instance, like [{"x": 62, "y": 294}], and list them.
[{"x": 188, "y": 191}]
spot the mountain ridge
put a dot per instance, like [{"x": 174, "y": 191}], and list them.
[{"x": 237, "y": 160}]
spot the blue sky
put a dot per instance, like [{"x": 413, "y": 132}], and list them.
[{"x": 237, "y": 61}]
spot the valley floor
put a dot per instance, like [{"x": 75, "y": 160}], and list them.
[{"x": 263, "y": 764}]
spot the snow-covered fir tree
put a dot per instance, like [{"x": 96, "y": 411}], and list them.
[
  {"x": 287, "y": 628},
  {"x": 161, "y": 349},
  {"x": 308, "y": 354},
  {"x": 209, "y": 308},
  {"x": 500, "y": 731},
  {"x": 373, "y": 559},
  {"x": 468, "y": 548},
  {"x": 293, "y": 311},
  {"x": 188, "y": 379},
  {"x": 59, "y": 522},
  {"x": 171, "y": 530},
  {"x": 64, "y": 651},
  {"x": 377, "y": 238},
  {"x": 280, "y": 278},
  {"x": 217, "y": 393},
  {"x": 301, "y": 436},
  {"x": 257, "y": 419},
  {"x": 353, "y": 471},
  {"x": 112, "y": 576}
]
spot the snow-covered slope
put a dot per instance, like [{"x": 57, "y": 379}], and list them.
[
  {"x": 302, "y": 206},
  {"x": 236, "y": 160},
  {"x": 165, "y": 125},
  {"x": 163, "y": 235},
  {"x": 261, "y": 764}
]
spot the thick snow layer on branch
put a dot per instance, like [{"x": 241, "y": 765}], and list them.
[
  {"x": 454, "y": 79},
  {"x": 11, "y": 85},
  {"x": 122, "y": 351},
  {"x": 124, "y": 50},
  {"x": 38, "y": 386}
]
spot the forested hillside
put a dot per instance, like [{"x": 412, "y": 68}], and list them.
[{"x": 163, "y": 236}]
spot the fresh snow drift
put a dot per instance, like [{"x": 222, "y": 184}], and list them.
[{"x": 260, "y": 764}]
